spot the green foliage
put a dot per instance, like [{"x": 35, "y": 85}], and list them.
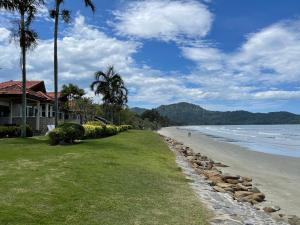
[
  {"x": 14, "y": 131},
  {"x": 94, "y": 129},
  {"x": 154, "y": 116},
  {"x": 95, "y": 123},
  {"x": 66, "y": 133}
]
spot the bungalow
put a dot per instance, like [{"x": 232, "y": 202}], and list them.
[{"x": 40, "y": 105}]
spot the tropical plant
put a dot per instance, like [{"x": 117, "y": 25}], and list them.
[
  {"x": 26, "y": 37},
  {"x": 111, "y": 86},
  {"x": 57, "y": 13}
]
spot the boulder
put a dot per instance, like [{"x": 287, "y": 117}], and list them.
[
  {"x": 226, "y": 176},
  {"x": 224, "y": 185},
  {"x": 259, "y": 197},
  {"x": 232, "y": 181},
  {"x": 247, "y": 184},
  {"x": 219, "y": 189},
  {"x": 294, "y": 220},
  {"x": 254, "y": 190},
  {"x": 271, "y": 209},
  {"x": 218, "y": 164},
  {"x": 242, "y": 194},
  {"x": 247, "y": 179},
  {"x": 240, "y": 187}
]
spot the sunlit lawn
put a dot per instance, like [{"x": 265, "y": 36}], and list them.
[{"x": 129, "y": 179}]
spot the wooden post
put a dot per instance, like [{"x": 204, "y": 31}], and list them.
[
  {"x": 10, "y": 112},
  {"x": 38, "y": 115}
]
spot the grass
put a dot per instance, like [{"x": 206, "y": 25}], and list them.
[{"x": 129, "y": 179}]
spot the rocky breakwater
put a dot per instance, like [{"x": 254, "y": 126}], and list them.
[{"x": 238, "y": 191}]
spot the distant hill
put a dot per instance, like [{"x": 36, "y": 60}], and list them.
[
  {"x": 189, "y": 114},
  {"x": 138, "y": 110}
]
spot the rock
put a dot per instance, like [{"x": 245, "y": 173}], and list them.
[
  {"x": 294, "y": 220},
  {"x": 219, "y": 189},
  {"x": 269, "y": 209},
  {"x": 218, "y": 164},
  {"x": 242, "y": 194},
  {"x": 254, "y": 190},
  {"x": 232, "y": 181},
  {"x": 247, "y": 184},
  {"x": 224, "y": 185},
  {"x": 226, "y": 176},
  {"x": 247, "y": 179},
  {"x": 259, "y": 197},
  {"x": 240, "y": 187}
]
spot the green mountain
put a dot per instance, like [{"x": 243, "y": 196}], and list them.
[
  {"x": 138, "y": 110},
  {"x": 189, "y": 114}
]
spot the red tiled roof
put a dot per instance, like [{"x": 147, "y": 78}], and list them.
[
  {"x": 29, "y": 84},
  {"x": 52, "y": 94},
  {"x": 15, "y": 88}
]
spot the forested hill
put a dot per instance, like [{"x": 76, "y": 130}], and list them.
[{"x": 190, "y": 114}]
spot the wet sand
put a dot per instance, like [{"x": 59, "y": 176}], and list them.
[{"x": 278, "y": 177}]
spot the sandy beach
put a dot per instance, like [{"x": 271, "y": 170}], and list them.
[{"x": 278, "y": 177}]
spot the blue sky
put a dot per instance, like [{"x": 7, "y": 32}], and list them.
[{"x": 220, "y": 54}]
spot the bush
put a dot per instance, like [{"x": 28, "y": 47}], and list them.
[
  {"x": 95, "y": 123},
  {"x": 125, "y": 127},
  {"x": 110, "y": 130},
  {"x": 98, "y": 131},
  {"x": 14, "y": 131},
  {"x": 92, "y": 131},
  {"x": 66, "y": 133}
]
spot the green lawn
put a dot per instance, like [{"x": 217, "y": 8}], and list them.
[{"x": 129, "y": 179}]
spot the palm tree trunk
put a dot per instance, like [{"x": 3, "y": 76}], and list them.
[
  {"x": 23, "y": 49},
  {"x": 56, "y": 63}
]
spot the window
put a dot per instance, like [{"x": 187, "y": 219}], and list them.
[{"x": 4, "y": 111}]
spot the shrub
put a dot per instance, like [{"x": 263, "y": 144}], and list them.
[
  {"x": 55, "y": 136},
  {"x": 125, "y": 127},
  {"x": 110, "y": 130},
  {"x": 92, "y": 131},
  {"x": 95, "y": 123},
  {"x": 66, "y": 133},
  {"x": 14, "y": 131}
]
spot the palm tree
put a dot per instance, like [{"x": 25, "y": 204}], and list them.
[
  {"x": 65, "y": 15},
  {"x": 26, "y": 37},
  {"x": 111, "y": 86}
]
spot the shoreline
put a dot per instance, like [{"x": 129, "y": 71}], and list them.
[{"x": 278, "y": 177}]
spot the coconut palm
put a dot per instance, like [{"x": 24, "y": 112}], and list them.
[
  {"x": 26, "y": 37},
  {"x": 111, "y": 86},
  {"x": 57, "y": 13}
]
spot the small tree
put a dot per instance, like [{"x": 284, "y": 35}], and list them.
[{"x": 111, "y": 86}]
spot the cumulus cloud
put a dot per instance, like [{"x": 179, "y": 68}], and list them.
[
  {"x": 267, "y": 59},
  {"x": 164, "y": 20}
]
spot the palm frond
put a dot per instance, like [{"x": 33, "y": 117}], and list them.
[{"x": 90, "y": 4}]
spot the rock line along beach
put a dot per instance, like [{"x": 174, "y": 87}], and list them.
[{"x": 278, "y": 177}]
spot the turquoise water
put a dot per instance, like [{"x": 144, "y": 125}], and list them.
[{"x": 272, "y": 139}]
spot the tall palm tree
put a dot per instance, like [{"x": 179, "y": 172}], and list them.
[
  {"x": 111, "y": 86},
  {"x": 56, "y": 13},
  {"x": 26, "y": 37}
]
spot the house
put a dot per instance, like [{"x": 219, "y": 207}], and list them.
[{"x": 40, "y": 105}]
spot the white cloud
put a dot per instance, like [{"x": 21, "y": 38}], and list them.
[
  {"x": 164, "y": 19},
  {"x": 268, "y": 59},
  {"x": 277, "y": 94}
]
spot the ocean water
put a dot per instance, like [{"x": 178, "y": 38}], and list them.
[{"x": 272, "y": 139}]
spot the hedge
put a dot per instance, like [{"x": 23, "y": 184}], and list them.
[
  {"x": 69, "y": 132},
  {"x": 66, "y": 133},
  {"x": 14, "y": 131}
]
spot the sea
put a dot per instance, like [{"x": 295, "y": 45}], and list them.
[{"x": 272, "y": 139}]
